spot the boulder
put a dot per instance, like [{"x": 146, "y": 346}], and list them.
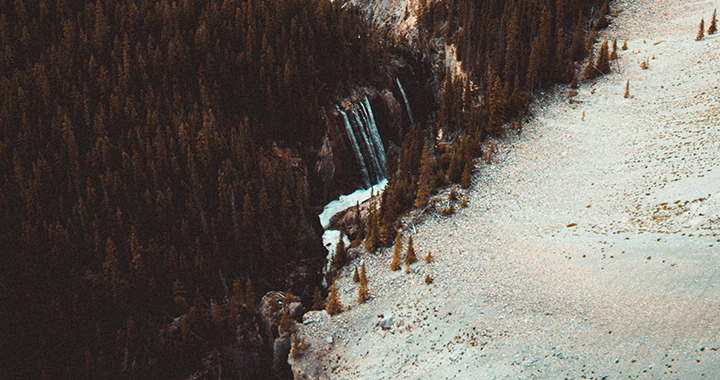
[{"x": 270, "y": 314}]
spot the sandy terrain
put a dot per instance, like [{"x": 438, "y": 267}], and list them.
[{"x": 590, "y": 247}]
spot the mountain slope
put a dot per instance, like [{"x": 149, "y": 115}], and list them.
[{"x": 589, "y": 247}]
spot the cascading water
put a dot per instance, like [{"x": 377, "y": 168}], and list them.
[
  {"x": 355, "y": 146},
  {"x": 407, "y": 105},
  {"x": 369, "y": 151},
  {"x": 366, "y": 142}
]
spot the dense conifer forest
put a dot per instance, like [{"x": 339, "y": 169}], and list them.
[{"x": 150, "y": 178}]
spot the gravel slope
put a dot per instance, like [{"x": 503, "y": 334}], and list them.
[{"x": 629, "y": 291}]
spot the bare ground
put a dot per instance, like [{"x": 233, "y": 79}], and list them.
[{"x": 590, "y": 247}]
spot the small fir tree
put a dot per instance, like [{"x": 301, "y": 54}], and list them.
[
  {"x": 624, "y": 45},
  {"x": 627, "y": 89},
  {"x": 613, "y": 53},
  {"x": 603, "y": 59},
  {"x": 363, "y": 293},
  {"x": 287, "y": 325},
  {"x": 464, "y": 202},
  {"x": 298, "y": 347},
  {"x": 410, "y": 256},
  {"x": 334, "y": 306},
  {"x": 356, "y": 276},
  {"x": 466, "y": 177},
  {"x": 701, "y": 31},
  {"x": 340, "y": 255},
  {"x": 429, "y": 258},
  {"x": 317, "y": 300},
  {"x": 589, "y": 71},
  {"x": 425, "y": 181},
  {"x": 453, "y": 195},
  {"x": 428, "y": 279},
  {"x": 395, "y": 264},
  {"x": 250, "y": 297},
  {"x": 712, "y": 29},
  {"x": 575, "y": 83}
]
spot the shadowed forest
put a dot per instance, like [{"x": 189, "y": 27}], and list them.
[{"x": 153, "y": 170}]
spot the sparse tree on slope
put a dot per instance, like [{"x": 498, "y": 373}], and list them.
[
  {"x": 701, "y": 31},
  {"x": 395, "y": 264},
  {"x": 712, "y": 29},
  {"x": 334, "y": 306}
]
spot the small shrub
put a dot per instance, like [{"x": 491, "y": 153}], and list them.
[
  {"x": 452, "y": 196},
  {"x": 449, "y": 210},
  {"x": 428, "y": 279},
  {"x": 429, "y": 258}
]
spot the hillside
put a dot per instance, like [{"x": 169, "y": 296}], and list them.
[{"x": 590, "y": 244}]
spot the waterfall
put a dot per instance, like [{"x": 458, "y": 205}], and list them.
[
  {"x": 377, "y": 141},
  {"x": 407, "y": 105},
  {"x": 365, "y": 140},
  {"x": 355, "y": 146}
]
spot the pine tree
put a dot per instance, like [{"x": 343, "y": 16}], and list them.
[
  {"x": 701, "y": 31},
  {"x": 410, "y": 256},
  {"x": 429, "y": 258},
  {"x": 590, "y": 72},
  {"x": 466, "y": 178},
  {"x": 340, "y": 255},
  {"x": 298, "y": 347},
  {"x": 334, "y": 306},
  {"x": 624, "y": 45},
  {"x": 363, "y": 293},
  {"x": 603, "y": 60},
  {"x": 577, "y": 46},
  {"x": 395, "y": 264},
  {"x": 425, "y": 181},
  {"x": 287, "y": 325},
  {"x": 627, "y": 89},
  {"x": 712, "y": 29},
  {"x": 613, "y": 53},
  {"x": 575, "y": 83},
  {"x": 317, "y": 300},
  {"x": 250, "y": 297},
  {"x": 464, "y": 202},
  {"x": 356, "y": 276}
]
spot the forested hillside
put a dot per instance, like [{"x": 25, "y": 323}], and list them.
[
  {"x": 507, "y": 50},
  {"x": 152, "y": 171},
  {"x": 137, "y": 161}
]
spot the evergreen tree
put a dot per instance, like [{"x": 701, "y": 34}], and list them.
[
  {"x": 363, "y": 293},
  {"x": 712, "y": 29},
  {"x": 395, "y": 264},
  {"x": 701, "y": 31},
  {"x": 613, "y": 53},
  {"x": 317, "y": 300},
  {"x": 602, "y": 65},
  {"x": 627, "y": 89},
  {"x": 356, "y": 276},
  {"x": 590, "y": 71},
  {"x": 287, "y": 325},
  {"x": 334, "y": 306},
  {"x": 410, "y": 256},
  {"x": 340, "y": 256},
  {"x": 250, "y": 297},
  {"x": 425, "y": 181}
]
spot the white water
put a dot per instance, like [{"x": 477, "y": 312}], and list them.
[
  {"x": 331, "y": 237},
  {"x": 407, "y": 105},
  {"x": 355, "y": 146}
]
